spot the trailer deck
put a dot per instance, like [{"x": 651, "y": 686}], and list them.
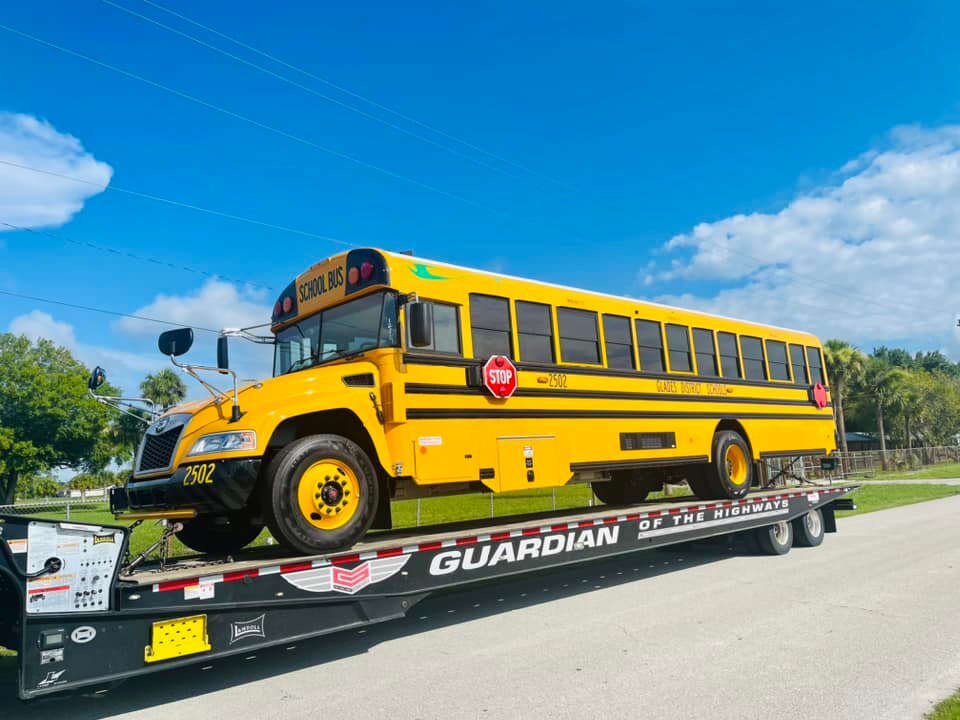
[{"x": 81, "y": 619}]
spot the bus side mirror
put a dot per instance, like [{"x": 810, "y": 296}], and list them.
[
  {"x": 97, "y": 378},
  {"x": 420, "y": 320},
  {"x": 175, "y": 342},
  {"x": 223, "y": 352}
]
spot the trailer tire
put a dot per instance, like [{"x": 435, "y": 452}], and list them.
[
  {"x": 219, "y": 534},
  {"x": 808, "y": 529},
  {"x": 624, "y": 487},
  {"x": 730, "y": 474},
  {"x": 320, "y": 494},
  {"x": 776, "y": 539}
]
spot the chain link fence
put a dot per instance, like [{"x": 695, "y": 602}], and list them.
[
  {"x": 61, "y": 508},
  {"x": 864, "y": 464}
]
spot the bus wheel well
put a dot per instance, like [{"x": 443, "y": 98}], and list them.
[
  {"x": 735, "y": 426},
  {"x": 335, "y": 422}
]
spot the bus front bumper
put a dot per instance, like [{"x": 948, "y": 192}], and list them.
[{"x": 210, "y": 487}]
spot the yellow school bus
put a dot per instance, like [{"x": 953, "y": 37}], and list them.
[{"x": 397, "y": 377}]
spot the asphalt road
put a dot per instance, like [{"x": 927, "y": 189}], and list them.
[{"x": 866, "y": 626}]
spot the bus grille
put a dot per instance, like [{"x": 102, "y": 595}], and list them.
[{"x": 158, "y": 450}]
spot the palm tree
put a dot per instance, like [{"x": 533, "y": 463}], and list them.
[
  {"x": 845, "y": 366},
  {"x": 883, "y": 382},
  {"x": 165, "y": 388}
]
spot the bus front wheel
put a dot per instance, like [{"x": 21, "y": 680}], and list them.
[
  {"x": 321, "y": 494},
  {"x": 219, "y": 534},
  {"x": 623, "y": 488}
]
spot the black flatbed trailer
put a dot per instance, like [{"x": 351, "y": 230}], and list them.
[{"x": 78, "y": 618}]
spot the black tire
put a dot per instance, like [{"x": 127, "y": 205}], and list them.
[
  {"x": 776, "y": 539},
  {"x": 219, "y": 534},
  {"x": 696, "y": 476},
  {"x": 808, "y": 529},
  {"x": 282, "y": 508},
  {"x": 722, "y": 483},
  {"x": 624, "y": 487}
]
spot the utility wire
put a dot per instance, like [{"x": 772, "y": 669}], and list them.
[
  {"x": 103, "y": 311},
  {"x": 133, "y": 256},
  {"x": 358, "y": 96},
  {"x": 311, "y": 90},
  {"x": 178, "y": 203},
  {"x": 255, "y": 123}
]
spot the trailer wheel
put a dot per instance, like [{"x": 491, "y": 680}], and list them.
[
  {"x": 776, "y": 539},
  {"x": 730, "y": 475},
  {"x": 624, "y": 487},
  {"x": 321, "y": 494},
  {"x": 808, "y": 529},
  {"x": 219, "y": 534}
]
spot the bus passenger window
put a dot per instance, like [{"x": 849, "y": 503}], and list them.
[
  {"x": 706, "y": 354},
  {"x": 446, "y": 331},
  {"x": 816, "y": 366},
  {"x": 490, "y": 326},
  {"x": 777, "y": 357},
  {"x": 753, "y": 358},
  {"x": 800, "y": 375},
  {"x": 579, "y": 337},
  {"x": 535, "y": 332},
  {"x": 650, "y": 343},
  {"x": 619, "y": 343},
  {"x": 678, "y": 346},
  {"x": 729, "y": 355}
]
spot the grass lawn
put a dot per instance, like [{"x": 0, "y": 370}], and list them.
[
  {"x": 870, "y": 498},
  {"x": 930, "y": 472},
  {"x": 949, "y": 709}
]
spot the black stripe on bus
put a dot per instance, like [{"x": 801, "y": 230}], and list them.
[
  {"x": 447, "y": 361},
  {"x": 636, "y": 464},
  {"x": 481, "y": 413},
  {"x": 430, "y": 389},
  {"x": 792, "y": 453}
]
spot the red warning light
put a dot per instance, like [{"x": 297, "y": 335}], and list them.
[
  {"x": 276, "y": 309},
  {"x": 366, "y": 270},
  {"x": 287, "y": 304},
  {"x": 353, "y": 276}
]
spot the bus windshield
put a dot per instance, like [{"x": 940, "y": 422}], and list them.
[{"x": 362, "y": 324}]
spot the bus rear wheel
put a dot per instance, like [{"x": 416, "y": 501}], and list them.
[
  {"x": 321, "y": 494},
  {"x": 731, "y": 472},
  {"x": 219, "y": 534},
  {"x": 624, "y": 487}
]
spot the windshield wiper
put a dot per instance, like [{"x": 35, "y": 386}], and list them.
[{"x": 301, "y": 364}]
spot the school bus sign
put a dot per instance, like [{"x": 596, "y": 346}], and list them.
[{"x": 500, "y": 376}]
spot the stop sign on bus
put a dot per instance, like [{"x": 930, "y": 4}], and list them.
[{"x": 500, "y": 376}]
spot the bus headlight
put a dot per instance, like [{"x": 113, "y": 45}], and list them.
[{"x": 225, "y": 442}]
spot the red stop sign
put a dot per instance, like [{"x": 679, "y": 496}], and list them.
[{"x": 500, "y": 376}]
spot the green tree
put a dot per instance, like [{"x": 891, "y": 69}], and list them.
[
  {"x": 164, "y": 387},
  {"x": 38, "y": 486},
  {"x": 47, "y": 418},
  {"x": 845, "y": 366},
  {"x": 881, "y": 382},
  {"x": 128, "y": 430}
]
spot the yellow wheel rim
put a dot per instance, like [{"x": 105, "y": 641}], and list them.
[
  {"x": 328, "y": 494},
  {"x": 736, "y": 462}
]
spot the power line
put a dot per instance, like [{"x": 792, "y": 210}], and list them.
[
  {"x": 255, "y": 123},
  {"x": 87, "y": 308},
  {"x": 133, "y": 256},
  {"x": 178, "y": 203},
  {"x": 358, "y": 96},
  {"x": 312, "y": 91}
]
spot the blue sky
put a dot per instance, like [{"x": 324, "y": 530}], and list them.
[{"x": 829, "y": 132}]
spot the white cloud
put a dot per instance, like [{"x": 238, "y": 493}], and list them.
[
  {"x": 215, "y": 305},
  {"x": 32, "y": 199},
  {"x": 870, "y": 258}
]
